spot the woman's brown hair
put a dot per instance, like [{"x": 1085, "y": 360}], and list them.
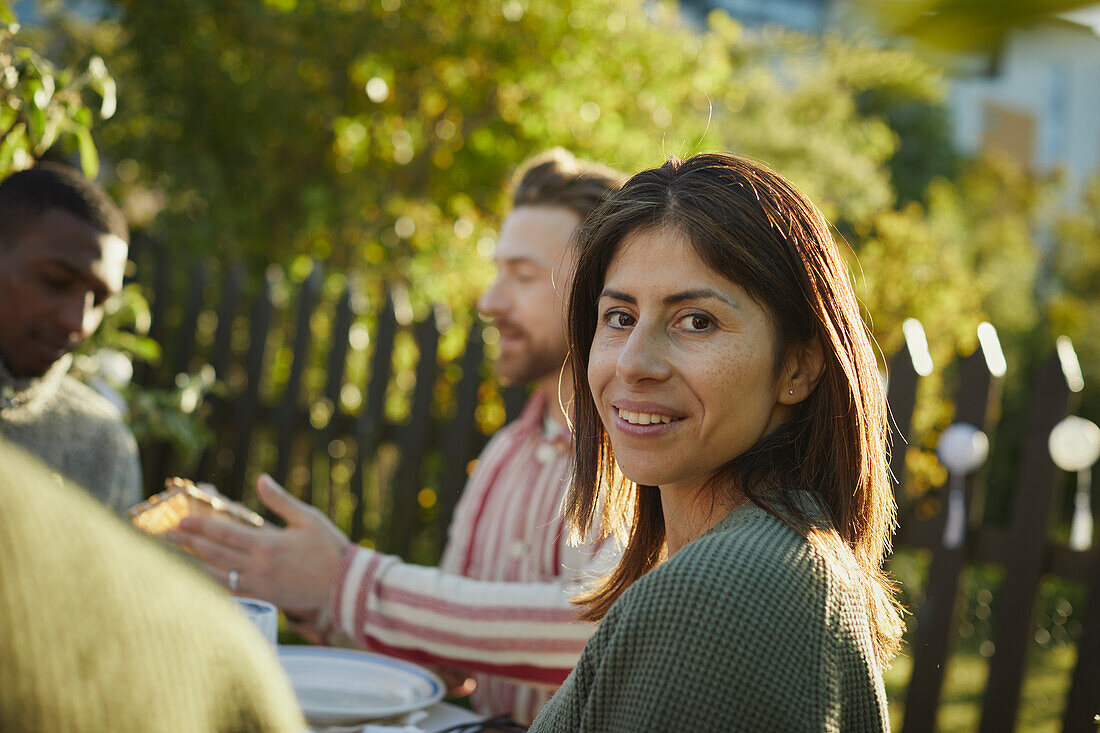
[{"x": 753, "y": 227}]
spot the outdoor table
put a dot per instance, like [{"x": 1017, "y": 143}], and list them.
[{"x": 443, "y": 715}]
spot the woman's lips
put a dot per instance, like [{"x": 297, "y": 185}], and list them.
[{"x": 645, "y": 422}]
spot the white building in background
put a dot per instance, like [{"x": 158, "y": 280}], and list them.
[
  {"x": 1036, "y": 98},
  {"x": 808, "y": 16},
  {"x": 1040, "y": 101}
]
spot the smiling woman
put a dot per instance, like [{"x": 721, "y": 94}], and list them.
[{"x": 730, "y": 423}]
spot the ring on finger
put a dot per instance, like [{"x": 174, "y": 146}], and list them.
[{"x": 234, "y": 579}]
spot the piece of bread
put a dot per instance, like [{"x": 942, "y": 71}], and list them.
[{"x": 181, "y": 498}]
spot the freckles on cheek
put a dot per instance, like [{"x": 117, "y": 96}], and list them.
[{"x": 597, "y": 376}]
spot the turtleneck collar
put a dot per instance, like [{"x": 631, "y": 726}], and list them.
[{"x": 19, "y": 391}]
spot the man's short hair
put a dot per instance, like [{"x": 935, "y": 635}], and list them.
[
  {"x": 29, "y": 193},
  {"x": 557, "y": 178}
]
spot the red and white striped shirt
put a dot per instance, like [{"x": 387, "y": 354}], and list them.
[{"x": 499, "y": 603}]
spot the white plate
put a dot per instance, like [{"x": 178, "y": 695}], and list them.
[{"x": 343, "y": 686}]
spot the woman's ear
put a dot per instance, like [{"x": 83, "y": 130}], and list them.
[{"x": 805, "y": 363}]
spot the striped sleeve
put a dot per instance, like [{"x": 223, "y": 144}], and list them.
[{"x": 524, "y": 631}]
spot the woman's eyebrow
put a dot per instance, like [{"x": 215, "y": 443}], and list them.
[
  {"x": 696, "y": 294},
  {"x": 618, "y": 295},
  {"x": 699, "y": 294}
]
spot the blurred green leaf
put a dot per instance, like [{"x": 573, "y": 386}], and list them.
[
  {"x": 14, "y": 142},
  {"x": 8, "y": 115},
  {"x": 108, "y": 91},
  {"x": 36, "y": 122},
  {"x": 143, "y": 347},
  {"x": 89, "y": 157},
  {"x": 963, "y": 25},
  {"x": 6, "y": 14},
  {"x": 82, "y": 116}
]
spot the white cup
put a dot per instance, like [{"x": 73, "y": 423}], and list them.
[{"x": 264, "y": 615}]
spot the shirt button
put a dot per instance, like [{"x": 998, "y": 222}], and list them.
[
  {"x": 518, "y": 549},
  {"x": 546, "y": 453}
]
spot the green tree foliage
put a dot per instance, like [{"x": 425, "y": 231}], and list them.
[
  {"x": 381, "y": 134},
  {"x": 43, "y": 106}
]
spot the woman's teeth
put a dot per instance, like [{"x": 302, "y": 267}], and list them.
[{"x": 643, "y": 418}]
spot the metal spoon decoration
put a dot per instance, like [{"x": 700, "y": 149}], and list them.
[
  {"x": 962, "y": 449},
  {"x": 1074, "y": 445}
]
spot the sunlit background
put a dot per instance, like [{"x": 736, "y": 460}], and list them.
[{"x": 346, "y": 154}]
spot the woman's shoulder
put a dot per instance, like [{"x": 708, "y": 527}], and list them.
[
  {"x": 750, "y": 558},
  {"x": 752, "y": 608}
]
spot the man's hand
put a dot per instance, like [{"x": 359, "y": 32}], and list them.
[
  {"x": 294, "y": 568},
  {"x": 459, "y": 683}
]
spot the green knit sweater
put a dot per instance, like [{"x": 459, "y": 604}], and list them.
[
  {"x": 748, "y": 628},
  {"x": 102, "y": 630}
]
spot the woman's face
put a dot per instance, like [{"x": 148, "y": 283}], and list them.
[{"x": 682, "y": 366}]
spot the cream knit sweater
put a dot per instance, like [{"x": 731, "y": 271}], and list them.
[{"x": 73, "y": 430}]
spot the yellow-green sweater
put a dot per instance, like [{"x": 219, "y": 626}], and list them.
[{"x": 103, "y": 630}]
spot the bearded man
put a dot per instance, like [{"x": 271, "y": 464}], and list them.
[{"x": 498, "y": 607}]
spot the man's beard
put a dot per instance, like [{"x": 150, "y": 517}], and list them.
[{"x": 533, "y": 365}]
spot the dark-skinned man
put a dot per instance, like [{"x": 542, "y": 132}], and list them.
[{"x": 63, "y": 249}]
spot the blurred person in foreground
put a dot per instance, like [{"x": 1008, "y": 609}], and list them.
[
  {"x": 63, "y": 248},
  {"x": 721, "y": 363},
  {"x": 498, "y": 606},
  {"x": 103, "y": 630}
]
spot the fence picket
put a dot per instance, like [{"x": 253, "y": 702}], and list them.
[
  {"x": 228, "y": 300},
  {"x": 1024, "y": 560},
  {"x": 458, "y": 443},
  {"x": 515, "y": 397},
  {"x": 334, "y": 380},
  {"x": 368, "y": 428},
  {"x": 1083, "y": 701},
  {"x": 412, "y": 440},
  {"x": 901, "y": 397},
  {"x": 977, "y": 390},
  {"x": 192, "y": 306},
  {"x": 248, "y": 404},
  {"x": 150, "y": 248},
  {"x": 287, "y": 417}
]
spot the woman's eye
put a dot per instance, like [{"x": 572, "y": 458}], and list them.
[
  {"x": 619, "y": 319},
  {"x": 696, "y": 322}
]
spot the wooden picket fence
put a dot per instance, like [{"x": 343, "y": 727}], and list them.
[{"x": 434, "y": 453}]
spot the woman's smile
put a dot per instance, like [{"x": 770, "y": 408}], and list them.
[{"x": 646, "y": 419}]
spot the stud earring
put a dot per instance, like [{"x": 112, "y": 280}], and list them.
[{"x": 790, "y": 391}]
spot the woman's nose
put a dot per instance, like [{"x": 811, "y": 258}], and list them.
[{"x": 644, "y": 356}]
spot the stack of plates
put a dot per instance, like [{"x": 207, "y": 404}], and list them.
[{"x": 343, "y": 686}]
